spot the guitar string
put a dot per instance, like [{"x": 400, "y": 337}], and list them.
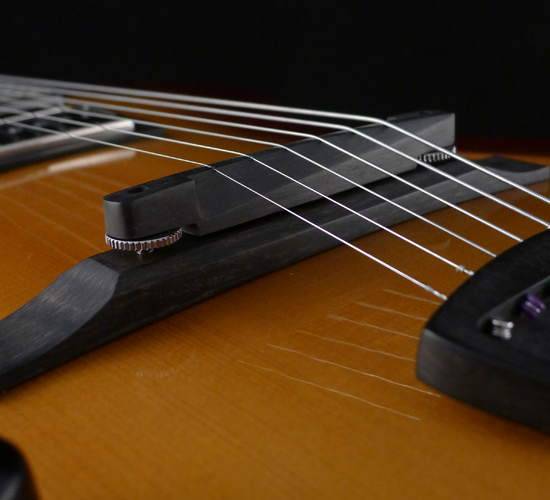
[
  {"x": 286, "y": 132},
  {"x": 290, "y": 150},
  {"x": 422, "y": 285},
  {"x": 433, "y": 169},
  {"x": 330, "y": 125},
  {"x": 273, "y": 144},
  {"x": 457, "y": 267},
  {"x": 244, "y": 186},
  {"x": 369, "y": 375},
  {"x": 46, "y": 83},
  {"x": 336, "y": 127}
]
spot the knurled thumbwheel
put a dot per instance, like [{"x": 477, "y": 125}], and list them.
[{"x": 147, "y": 245}]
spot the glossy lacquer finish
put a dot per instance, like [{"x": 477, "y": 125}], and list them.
[{"x": 300, "y": 384}]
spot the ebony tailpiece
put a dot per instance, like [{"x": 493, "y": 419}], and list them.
[{"x": 459, "y": 353}]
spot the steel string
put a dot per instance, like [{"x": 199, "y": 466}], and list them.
[
  {"x": 426, "y": 287},
  {"x": 301, "y": 134},
  {"x": 457, "y": 267},
  {"x": 302, "y": 111}
]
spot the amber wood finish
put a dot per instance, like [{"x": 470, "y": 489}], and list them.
[{"x": 298, "y": 385}]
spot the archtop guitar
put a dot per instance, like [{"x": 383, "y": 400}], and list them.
[{"x": 296, "y": 304}]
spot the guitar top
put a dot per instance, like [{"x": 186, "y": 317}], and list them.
[{"x": 300, "y": 384}]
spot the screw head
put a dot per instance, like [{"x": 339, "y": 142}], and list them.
[{"x": 502, "y": 328}]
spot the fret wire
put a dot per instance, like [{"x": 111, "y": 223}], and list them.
[
  {"x": 457, "y": 267},
  {"x": 426, "y": 287},
  {"x": 292, "y": 110},
  {"x": 267, "y": 129}
]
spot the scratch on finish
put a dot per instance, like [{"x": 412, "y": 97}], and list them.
[
  {"x": 52, "y": 223},
  {"x": 34, "y": 235},
  {"x": 330, "y": 390},
  {"x": 23, "y": 180},
  {"x": 355, "y": 345},
  {"x": 340, "y": 318},
  {"x": 157, "y": 374},
  {"x": 413, "y": 297},
  {"x": 66, "y": 192},
  {"x": 68, "y": 213},
  {"x": 391, "y": 311},
  {"x": 326, "y": 361},
  {"x": 79, "y": 184},
  {"x": 116, "y": 184}
]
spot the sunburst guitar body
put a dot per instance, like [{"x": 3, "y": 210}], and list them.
[{"x": 300, "y": 384}]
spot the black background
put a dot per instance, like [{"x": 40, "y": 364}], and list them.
[{"x": 486, "y": 61}]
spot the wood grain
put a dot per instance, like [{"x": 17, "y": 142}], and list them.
[{"x": 298, "y": 385}]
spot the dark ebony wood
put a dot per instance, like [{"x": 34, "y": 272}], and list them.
[
  {"x": 459, "y": 356},
  {"x": 201, "y": 201},
  {"x": 15, "y": 479}
]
